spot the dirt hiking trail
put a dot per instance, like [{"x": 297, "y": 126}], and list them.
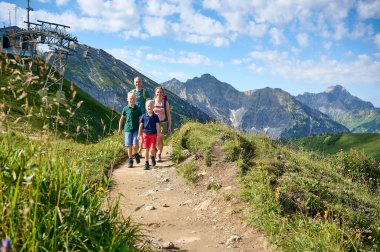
[{"x": 178, "y": 216}]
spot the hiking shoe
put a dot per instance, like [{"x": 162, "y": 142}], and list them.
[
  {"x": 130, "y": 163},
  {"x": 159, "y": 158},
  {"x": 137, "y": 157},
  {"x": 146, "y": 166},
  {"x": 153, "y": 159}
]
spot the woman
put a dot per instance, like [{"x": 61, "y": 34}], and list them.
[{"x": 162, "y": 109}]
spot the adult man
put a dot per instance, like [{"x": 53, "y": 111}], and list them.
[{"x": 141, "y": 94}]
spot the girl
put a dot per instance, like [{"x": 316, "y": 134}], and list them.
[{"x": 162, "y": 109}]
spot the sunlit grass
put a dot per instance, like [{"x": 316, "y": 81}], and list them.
[
  {"x": 53, "y": 190},
  {"x": 303, "y": 200}
]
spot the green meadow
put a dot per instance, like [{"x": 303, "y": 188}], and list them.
[
  {"x": 302, "y": 200},
  {"x": 369, "y": 143}
]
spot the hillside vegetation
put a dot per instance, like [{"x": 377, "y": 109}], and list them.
[
  {"x": 303, "y": 201},
  {"x": 76, "y": 115},
  {"x": 369, "y": 143},
  {"x": 52, "y": 187}
]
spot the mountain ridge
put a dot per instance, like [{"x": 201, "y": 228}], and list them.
[
  {"x": 108, "y": 80},
  {"x": 271, "y": 111},
  {"x": 357, "y": 115}
]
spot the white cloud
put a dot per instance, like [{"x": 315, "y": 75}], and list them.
[
  {"x": 155, "y": 26},
  {"x": 303, "y": 39},
  {"x": 277, "y": 37},
  {"x": 364, "y": 69},
  {"x": 327, "y": 45},
  {"x": 131, "y": 57},
  {"x": 254, "y": 68},
  {"x": 158, "y": 8},
  {"x": 110, "y": 16},
  {"x": 377, "y": 41},
  {"x": 183, "y": 57},
  {"x": 61, "y": 2},
  {"x": 369, "y": 9}
]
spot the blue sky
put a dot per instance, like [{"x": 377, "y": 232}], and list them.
[{"x": 296, "y": 45}]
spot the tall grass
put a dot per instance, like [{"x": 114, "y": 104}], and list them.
[
  {"x": 304, "y": 201},
  {"x": 53, "y": 190}
]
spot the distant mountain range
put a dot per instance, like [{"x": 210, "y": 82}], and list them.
[
  {"x": 271, "y": 111},
  {"x": 267, "y": 110},
  {"x": 357, "y": 115},
  {"x": 108, "y": 80}
]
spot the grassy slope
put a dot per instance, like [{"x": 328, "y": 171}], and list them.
[
  {"x": 331, "y": 144},
  {"x": 53, "y": 188},
  {"x": 95, "y": 120},
  {"x": 303, "y": 201}
]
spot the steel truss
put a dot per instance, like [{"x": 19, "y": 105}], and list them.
[{"x": 61, "y": 45}]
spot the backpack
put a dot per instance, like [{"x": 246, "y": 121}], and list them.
[{"x": 144, "y": 93}]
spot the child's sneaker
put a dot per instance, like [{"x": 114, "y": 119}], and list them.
[
  {"x": 153, "y": 159},
  {"x": 137, "y": 157},
  {"x": 130, "y": 163},
  {"x": 146, "y": 166}
]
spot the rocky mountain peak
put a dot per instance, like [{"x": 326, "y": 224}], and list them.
[{"x": 336, "y": 89}]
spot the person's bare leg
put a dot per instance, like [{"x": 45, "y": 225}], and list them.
[
  {"x": 130, "y": 154},
  {"x": 160, "y": 144},
  {"x": 136, "y": 148}
]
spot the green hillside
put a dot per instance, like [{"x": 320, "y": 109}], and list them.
[
  {"x": 55, "y": 159},
  {"x": 369, "y": 143},
  {"x": 78, "y": 116},
  {"x": 303, "y": 201}
]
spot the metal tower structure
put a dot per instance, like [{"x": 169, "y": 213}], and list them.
[{"x": 60, "y": 43}]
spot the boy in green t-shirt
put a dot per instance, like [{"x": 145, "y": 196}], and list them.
[{"x": 131, "y": 115}]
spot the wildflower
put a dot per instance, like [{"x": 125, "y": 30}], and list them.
[
  {"x": 6, "y": 245},
  {"x": 278, "y": 193},
  {"x": 326, "y": 214}
]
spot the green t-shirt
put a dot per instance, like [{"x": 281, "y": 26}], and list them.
[
  {"x": 140, "y": 99},
  {"x": 131, "y": 118}
]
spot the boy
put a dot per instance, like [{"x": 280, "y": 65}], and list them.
[
  {"x": 131, "y": 114},
  {"x": 149, "y": 126}
]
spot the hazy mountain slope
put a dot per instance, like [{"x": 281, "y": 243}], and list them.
[
  {"x": 108, "y": 80},
  {"x": 340, "y": 105},
  {"x": 265, "y": 110}
]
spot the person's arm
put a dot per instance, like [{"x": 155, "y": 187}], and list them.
[
  {"x": 121, "y": 122},
  {"x": 168, "y": 114},
  {"x": 141, "y": 126}
]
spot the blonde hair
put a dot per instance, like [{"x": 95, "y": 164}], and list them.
[
  {"x": 147, "y": 102},
  {"x": 131, "y": 93}
]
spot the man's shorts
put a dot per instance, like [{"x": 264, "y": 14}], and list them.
[
  {"x": 130, "y": 138},
  {"x": 149, "y": 141},
  {"x": 164, "y": 128}
]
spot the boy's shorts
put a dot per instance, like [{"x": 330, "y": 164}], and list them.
[
  {"x": 130, "y": 138},
  {"x": 149, "y": 141},
  {"x": 164, "y": 128}
]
